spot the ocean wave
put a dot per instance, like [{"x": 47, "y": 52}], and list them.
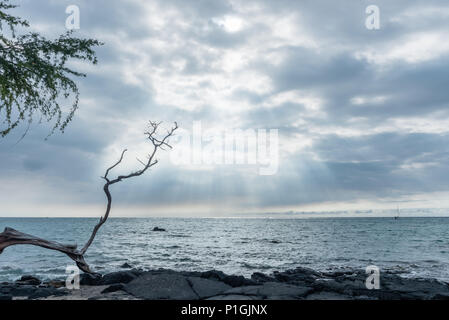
[
  {"x": 241, "y": 246},
  {"x": 256, "y": 266}
]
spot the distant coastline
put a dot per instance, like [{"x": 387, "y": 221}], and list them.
[{"x": 367, "y": 213}]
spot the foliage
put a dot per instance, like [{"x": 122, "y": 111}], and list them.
[{"x": 34, "y": 76}]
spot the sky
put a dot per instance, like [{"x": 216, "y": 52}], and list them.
[{"x": 361, "y": 114}]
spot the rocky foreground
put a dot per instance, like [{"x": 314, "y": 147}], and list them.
[{"x": 297, "y": 284}]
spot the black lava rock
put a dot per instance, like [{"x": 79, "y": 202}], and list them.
[
  {"x": 28, "y": 280},
  {"x": 213, "y": 275},
  {"x": 22, "y": 291},
  {"x": 238, "y": 281},
  {"x": 113, "y": 288},
  {"x": 261, "y": 278},
  {"x": 90, "y": 279},
  {"x": 45, "y": 292},
  {"x": 118, "y": 277}
]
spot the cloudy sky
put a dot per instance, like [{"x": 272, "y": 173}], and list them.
[{"x": 362, "y": 115}]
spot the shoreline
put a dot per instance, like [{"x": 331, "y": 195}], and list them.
[{"x": 165, "y": 284}]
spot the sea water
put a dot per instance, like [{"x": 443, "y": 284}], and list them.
[{"x": 413, "y": 247}]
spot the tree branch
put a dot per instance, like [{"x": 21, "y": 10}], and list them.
[{"x": 11, "y": 237}]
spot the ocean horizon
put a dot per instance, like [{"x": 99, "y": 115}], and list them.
[{"x": 361, "y": 213}]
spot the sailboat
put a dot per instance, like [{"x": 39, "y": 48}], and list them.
[{"x": 397, "y": 215}]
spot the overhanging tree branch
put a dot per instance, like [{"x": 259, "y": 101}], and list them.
[{"x": 34, "y": 74}]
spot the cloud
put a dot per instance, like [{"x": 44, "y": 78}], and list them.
[{"x": 361, "y": 114}]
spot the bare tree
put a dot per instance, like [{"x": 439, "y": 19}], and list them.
[{"x": 11, "y": 237}]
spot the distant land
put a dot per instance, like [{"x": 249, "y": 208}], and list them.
[{"x": 374, "y": 213}]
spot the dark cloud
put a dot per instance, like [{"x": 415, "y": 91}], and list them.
[
  {"x": 171, "y": 60},
  {"x": 306, "y": 69}
]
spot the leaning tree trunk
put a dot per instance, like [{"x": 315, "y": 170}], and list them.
[{"x": 10, "y": 237}]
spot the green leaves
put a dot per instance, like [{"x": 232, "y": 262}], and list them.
[{"x": 34, "y": 77}]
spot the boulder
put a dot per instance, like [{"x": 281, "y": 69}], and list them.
[
  {"x": 113, "y": 288},
  {"x": 56, "y": 283},
  {"x": 297, "y": 276},
  {"x": 269, "y": 289},
  {"x": 346, "y": 286},
  {"x": 28, "y": 280},
  {"x": 126, "y": 266},
  {"x": 417, "y": 288},
  {"x": 259, "y": 277},
  {"x": 161, "y": 287},
  {"x": 87, "y": 279},
  {"x": 46, "y": 292},
  {"x": 214, "y": 274},
  {"x": 118, "y": 277},
  {"x": 205, "y": 288},
  {"x": 22, "y": 291},
  {"x": 5, "y": 288},
  {"x": 238, "y": 281}
]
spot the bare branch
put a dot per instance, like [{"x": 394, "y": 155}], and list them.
[
  {"x": 11, "y": 237},
  {"x": 156, "y": 145},
  {"x": 116, "y": 164}
]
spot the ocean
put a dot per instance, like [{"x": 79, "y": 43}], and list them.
[{"x": 413, "y": 247}]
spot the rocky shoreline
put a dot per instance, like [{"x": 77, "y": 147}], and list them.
[{"x": 163, "y": 284}]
